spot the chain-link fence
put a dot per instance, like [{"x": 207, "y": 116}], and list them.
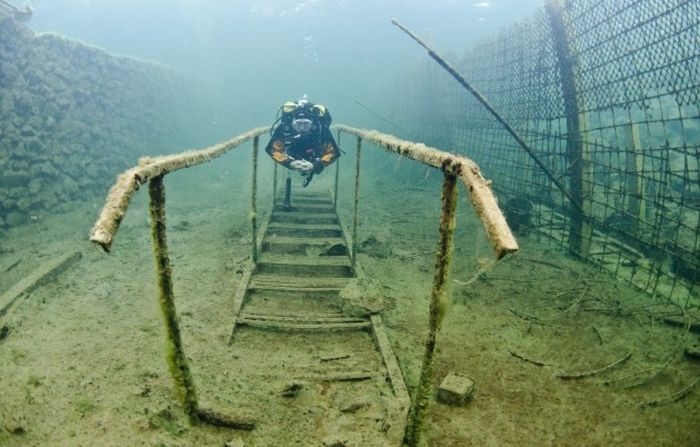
[{"x": 607, "y": 94}]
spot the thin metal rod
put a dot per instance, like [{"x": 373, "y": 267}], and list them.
[
  {"x": 479, "y": 97},
  {"x": 357, "y": 202},
  {"x": 254, "y": 199},
  {"x": 129, "y": 181},
  {"x": 274, "y": 185},
  {"x": 438, "y": 302},
  {"x": 480, "y": 194},
  {"x": 337, "y": 176},
  {"x": 177, "y": 360}
]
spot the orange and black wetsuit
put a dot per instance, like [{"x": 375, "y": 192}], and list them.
[{"x": 317, "y": 146}]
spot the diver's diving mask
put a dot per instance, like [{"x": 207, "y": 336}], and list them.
[{"x": 302, "y": 125}]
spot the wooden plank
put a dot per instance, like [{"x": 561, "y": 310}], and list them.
[
  {"x": 239, "y": 296},
  {"x": 395, "y": 434},
  {"x": 38, "y": 277},
  {"x": 392, "y": 365}
]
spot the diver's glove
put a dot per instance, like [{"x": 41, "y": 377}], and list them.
[
  {"x": 302, "y": 166},
  {"x": 318, "y": 166}
]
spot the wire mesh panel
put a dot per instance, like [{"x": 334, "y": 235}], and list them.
[{"x": 607, "y": 94}]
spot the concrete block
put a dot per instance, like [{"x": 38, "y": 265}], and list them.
[{"x": 455, "y": 390}]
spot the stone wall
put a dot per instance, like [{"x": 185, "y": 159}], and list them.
[{"x": 72, "y": 116}]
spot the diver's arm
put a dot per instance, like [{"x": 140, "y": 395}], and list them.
[
  {"x": 329, "y": 152},
  {"x": 275, "y": 149}
]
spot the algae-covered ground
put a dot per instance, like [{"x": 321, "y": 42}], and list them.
[{"x": 83, "y": 361}]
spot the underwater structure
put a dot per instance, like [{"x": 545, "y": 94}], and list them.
[{"x": 604, "y": 96}]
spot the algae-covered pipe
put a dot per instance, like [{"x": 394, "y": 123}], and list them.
[
  {"x": 443, "y": 259},
  {"x": 254, "y": 200},
  {"x": 177, "y": 361},
  {"x": 357, "y": 204}
]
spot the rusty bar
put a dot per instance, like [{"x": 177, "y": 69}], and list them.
[
  {"x": 482, "y": 199},
  {"x": 119, "y": 196},
  {"x": 357, "y": 203},
  {"x": 254, "y": 200},
  {"x": 438, "y": 305},
  {"x": 177, "y": 360}
]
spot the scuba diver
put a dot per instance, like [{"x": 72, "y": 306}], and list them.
[
  {"x": 301, "y": 139},
  {"x": 21, "y": 15}
]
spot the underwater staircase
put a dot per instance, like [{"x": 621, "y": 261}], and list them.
[{"x": 334, "y": 376}]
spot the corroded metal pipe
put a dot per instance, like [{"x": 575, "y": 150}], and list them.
[
  {"x": 357, "y": 204},
  {"x": 438, "y": 305},
  {"x": 129, "y": 181},
  {"x": 254, "y": 199},
  {"x": 480, "y": 193},
  {"x": 177, "y": 360}
]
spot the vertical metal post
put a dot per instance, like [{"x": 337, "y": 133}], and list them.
[
  {"x": 580, "y": 231},
  {"x": 438, "y": 303},
  {"x": 357, "y": 202},
  {"x": 274, "y": 185},
  {"x": 175, "y": 354},
  {"x": 635, "y": 179},
  {"x": 254, "y": 200},
  {"x": 337, "y": 175}
]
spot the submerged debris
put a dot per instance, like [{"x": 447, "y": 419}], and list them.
[
  {"x": 292, "y": 389},
  {"x": 361, "y": 297}
]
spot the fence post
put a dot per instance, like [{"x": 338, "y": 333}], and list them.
[
  {"x": 578, "y": 156},
  {"x": 635, "y": 180}
]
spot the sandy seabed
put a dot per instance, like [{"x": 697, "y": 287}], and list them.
[{"x": 83, "y": 362}]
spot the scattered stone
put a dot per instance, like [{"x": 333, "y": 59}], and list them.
[
  {"x": 236, "y": 442},
  {"x": 292, "y": 389},
  {"x": 361, "y": 297},
  {"x": 335, "y": 250},
  {"x": 4, "y": 331},
  {"x": 335, "y": 441},
  {"x": 15, "y": 427},
  {"x": 375, "y": 246},
  {"x": 327, "y": 357},
  {"x": 680, "y": 321},
  {"x": 455, "y": 390},
  {"x": 183, "y": 225},
  {"x": 143, "y": 390},
  {"x": 354, "y": 406},
  {"x": 693, "y": 351}
]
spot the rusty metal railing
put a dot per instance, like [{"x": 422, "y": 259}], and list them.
[
  {"x": 484, "y": 202},
  {"x": 153, "y": 169}
]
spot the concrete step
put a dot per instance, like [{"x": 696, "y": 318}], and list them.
[
  {"x": 304, "y": 230},
  {"x": 302, "y": 323},
  {"x": 305, "y": 208},
  {"x": 312, "y": 266},
  {"x": 297, "y": 283},
  {"x": 305, "y": 200},
  {"x": 292, "y": 302},
  {"x": 304, "y": 218},
  {"x": 325, "y": 246}
]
